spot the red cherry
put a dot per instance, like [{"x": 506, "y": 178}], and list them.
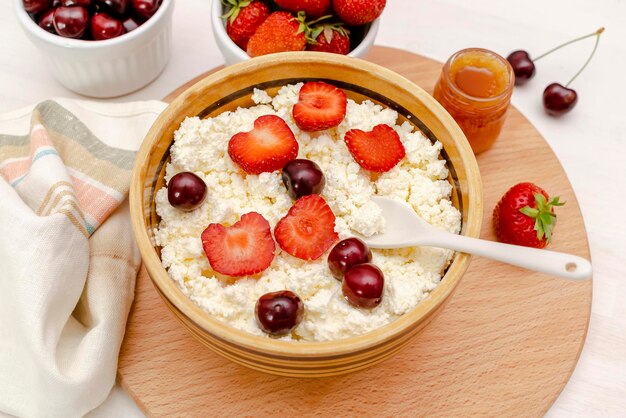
[
  {"x": 104, "y": 27},
  {"x": 71, "y": 22},
  {"x": 347, "y": 253},
  {"x": 558, "y": 100},
  {"x": 145, "y": 8},
  {"x": 302, "y": 177},
  {"x": 523, "y": 66},
  {"x": 46, "y": 21},
  {"x": 363, "y": 285},
  {"x": 117, "y": 7},
  {"x": 278, "y": 313},
  {"x": 36, "y": 6},
  {"x": 186, "y": 191}
]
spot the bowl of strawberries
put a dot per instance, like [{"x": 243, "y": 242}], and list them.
[{"x": 245, "y": 29}]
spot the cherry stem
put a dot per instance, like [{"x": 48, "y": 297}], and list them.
[{"x": 596, "y": 33}]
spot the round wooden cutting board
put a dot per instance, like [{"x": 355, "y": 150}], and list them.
[{"x": 505, "y": 345}]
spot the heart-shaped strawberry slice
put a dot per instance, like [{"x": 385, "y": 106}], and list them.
[
  {"x": 266, "y": 148},
  {"x": 320, "y": 106},
  {"x": 308, "y": 229},
  {"x": 242, "y": 249},
  {"x": 377, "y": 150}
]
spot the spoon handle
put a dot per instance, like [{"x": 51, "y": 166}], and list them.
[{"x": 564, "y": 265}]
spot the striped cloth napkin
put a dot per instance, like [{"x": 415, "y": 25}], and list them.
[{"x": 67, "y": 253}]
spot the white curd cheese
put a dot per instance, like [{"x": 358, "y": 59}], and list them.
[{"x": 200, "y": 146}]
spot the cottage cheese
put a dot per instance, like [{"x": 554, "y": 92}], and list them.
[{"x": 410, "y": 274}]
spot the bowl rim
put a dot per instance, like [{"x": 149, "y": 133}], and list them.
[
  {"x": 33, "y": 28},
  {"x": 219, "y": 28},
  {"x": 290, "y": 349}
]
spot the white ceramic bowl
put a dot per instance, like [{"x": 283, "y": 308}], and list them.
[
  {"x": 233, "y": 54},
  {"x": 108, "y": 68}
]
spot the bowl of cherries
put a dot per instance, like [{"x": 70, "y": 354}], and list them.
[{"x": 100, "y": 48}]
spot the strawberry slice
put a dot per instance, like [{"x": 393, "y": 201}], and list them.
[
  {"x": 265, "y": 148},
  {"x": 377, "y": 150},
  {"x": 320, "y": 106},
  {"x": 308, "y": 229},
  {"x": 242, "y": 249}
]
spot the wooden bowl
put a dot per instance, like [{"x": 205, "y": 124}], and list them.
[{"x": 232, "y": 87}]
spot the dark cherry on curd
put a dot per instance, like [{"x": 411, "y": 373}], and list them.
[{"x": 475, "y": 87}]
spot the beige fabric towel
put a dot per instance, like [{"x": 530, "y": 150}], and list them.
[{"x": 68, "y": 259}]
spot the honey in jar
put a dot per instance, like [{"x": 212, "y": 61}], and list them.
[{"x": 475, "y": 87}]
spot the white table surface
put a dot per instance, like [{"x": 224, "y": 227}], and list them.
[{"x": 590, "y": 141}]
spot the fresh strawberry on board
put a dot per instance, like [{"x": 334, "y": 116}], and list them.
[
  {"x": 377, "y": 150},
  {"x": 330, "y": 38},
  {"x": 525, "y": 216},
  {"x": 358, "y": 12},
  {"x": 267, "y": 147},
  {"x": 242, "y": 249},
  {"x": 320, "y": 106},
  {"x": 308, "y": 229},
  {"x": 312, "y": 8},
  {"x": 280, "y": 32},
  {"x": 243, "y": 19}
]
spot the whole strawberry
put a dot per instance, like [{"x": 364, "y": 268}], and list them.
[
  {"x": 525, "y": 216},
  {"x": 281, "y": 32},
  {"x": 312, "y": 8},
  {"x": 330, "y": 38},
  {"x": 358, "y": 12},
  {"x": 244, "y": 17}
]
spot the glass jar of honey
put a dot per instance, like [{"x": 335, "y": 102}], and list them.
[{"x": 475, "y": 87}]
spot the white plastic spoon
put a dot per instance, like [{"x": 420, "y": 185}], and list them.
[{"x": 406, "y": 229}]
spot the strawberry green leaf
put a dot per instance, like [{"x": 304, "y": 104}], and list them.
[
  {"x": 540, "y": 199},
  {"x": 528, "y": 211},
  {"x": 544, "y": 215},
  {"x": 316, "y": 21},
  {"x": 236, "y": 6},
  {"x": 316, "y": 27},
  {"x": 545, "y": 218},
  {"x": 303, "y": 27},
  {"x": 315, "y": 33},
  {"x": 328, "y": 34},
  {"x": 539, "y": 229},
  {"x": 555, "y": 202}
]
